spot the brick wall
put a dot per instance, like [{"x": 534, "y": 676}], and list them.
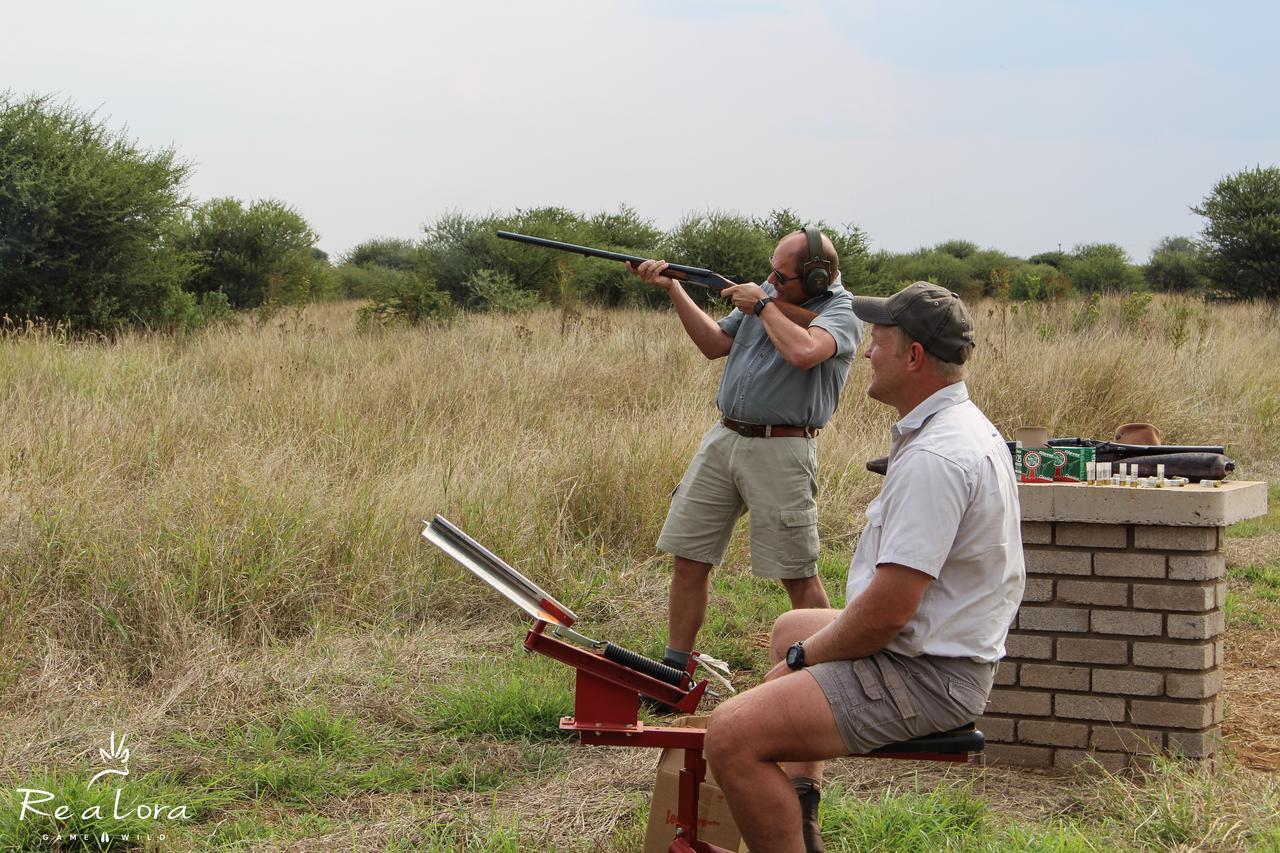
[{"x": 1117, "y": 649}]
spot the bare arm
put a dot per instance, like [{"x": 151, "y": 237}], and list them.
[
  {"x": 705, "y": 333},
  {"x": 799, "y": 344},
  {"x": 800, "y": 316},
  {"x": 873, "y": 619}
]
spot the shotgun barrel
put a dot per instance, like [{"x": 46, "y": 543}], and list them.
[{"x": 713, "y": 281}]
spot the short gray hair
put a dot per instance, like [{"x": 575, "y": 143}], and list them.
[{"x": 949, "y": 372}]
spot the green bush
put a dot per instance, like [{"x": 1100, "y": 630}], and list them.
[
  {"x": 408, "y": 298},
  {"x": 263, "y": 253},
  {"x": 1057, "y": 260},
  {"x": 1134, "y": 308},
  {"x": 1098, "y": 267},
  {"x": 362, "y": 282},
  {"x": 387, "y": 252},
  {"x": 961, "y": 249},
  {"x": 957, "y": 265},
  {"x": 1176, "y": 266},
  {"x": 985, "y": 267},
  {"x": 1038, "y": 282},
  {"x": 87, "y": 222},
  {"x": 489, "y": 290}
]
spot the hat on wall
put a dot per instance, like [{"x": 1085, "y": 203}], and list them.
[
  {"x": 1137, "y": 434},
  {"x": 930, "y": 314}
]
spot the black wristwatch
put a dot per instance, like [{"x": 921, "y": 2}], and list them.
[
  {"x": 760, "y": 303},
  {"x": 795, "y": 655}
]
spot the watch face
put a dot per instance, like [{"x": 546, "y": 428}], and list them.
[{"x": 795, "y": 656}]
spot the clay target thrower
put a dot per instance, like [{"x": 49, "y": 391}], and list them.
[{"x": 610, "y": 678}]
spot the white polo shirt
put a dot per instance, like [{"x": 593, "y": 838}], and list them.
[{"x": 948, "y": 508}]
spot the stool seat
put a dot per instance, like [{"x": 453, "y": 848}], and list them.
[{"x": 956, "y": 741}]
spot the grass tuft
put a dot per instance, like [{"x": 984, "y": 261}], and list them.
[
  {"x": 907, "y": 822},
  {"x": 522, "y": 698},
  {"x": 1263, "y": 579}
]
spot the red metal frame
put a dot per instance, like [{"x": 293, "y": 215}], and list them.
[
  {"x": 606, "y": 712},
  {"x": 606, "y": 709}
]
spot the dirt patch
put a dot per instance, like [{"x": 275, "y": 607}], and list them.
[{"x": 1251, "y": 693}]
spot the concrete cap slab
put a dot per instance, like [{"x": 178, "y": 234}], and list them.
[{"x": 1192, "y": 505}]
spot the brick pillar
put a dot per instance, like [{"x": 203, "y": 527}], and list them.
[{"x": 1117, "y": 649}]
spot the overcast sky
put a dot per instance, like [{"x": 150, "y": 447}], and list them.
[{"x": 1019, "y": 125}]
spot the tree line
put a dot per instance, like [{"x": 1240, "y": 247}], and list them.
[{"x": 98, "y": 233}]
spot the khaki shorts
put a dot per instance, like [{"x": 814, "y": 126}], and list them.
[
  {"x": 886, "y": 698},
  {"x": 774, "y": 480}
]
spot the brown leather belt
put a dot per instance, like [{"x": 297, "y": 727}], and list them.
[{"x": 770, "y": 430}]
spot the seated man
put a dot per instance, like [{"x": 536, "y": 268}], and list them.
[{"x": 933, "y": 587}]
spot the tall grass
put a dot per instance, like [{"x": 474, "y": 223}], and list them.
[{"x": 162, "y": 497}]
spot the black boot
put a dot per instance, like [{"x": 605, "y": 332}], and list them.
[
  {"x": 657, "y": 706},
  {"x": 810, "y": 825}
]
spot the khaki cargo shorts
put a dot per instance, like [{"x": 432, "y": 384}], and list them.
[
  {"x": 773, "y": 480},
  {"x": 886, "y": 698}
]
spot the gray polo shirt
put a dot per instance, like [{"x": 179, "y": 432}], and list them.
[{"x": 759, "y": 387}]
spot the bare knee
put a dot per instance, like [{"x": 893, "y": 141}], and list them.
[
  {"x": 796, "y": 625},
  {"x": 727, "y": 739}
]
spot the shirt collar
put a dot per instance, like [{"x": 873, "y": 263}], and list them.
[{"x": 944, "y": 398}]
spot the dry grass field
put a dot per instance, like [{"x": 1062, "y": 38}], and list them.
[{"x": 211, "y": 544}]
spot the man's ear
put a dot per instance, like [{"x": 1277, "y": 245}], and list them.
[{"x": 917, "y": 359}]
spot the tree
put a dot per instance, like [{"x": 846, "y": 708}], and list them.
[
  {"x": 1052, "y": 259},
  {"x": 389, "y": 252},
  {"x": 252, "y": 254},
  {"x": 1094, "y": 267},
  {"x": 87, "y": 221},
  {"x": 1242, "y": 235},
  {"x": 957, "y": 248},
  {"x": 1176, "y": 266}
]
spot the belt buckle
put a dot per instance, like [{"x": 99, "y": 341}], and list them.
[{"x": 744, "y": 430}]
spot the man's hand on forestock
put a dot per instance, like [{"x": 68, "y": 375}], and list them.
[
  {"x": 744, "y": 296},
  {"x": 650, "y": 272}
]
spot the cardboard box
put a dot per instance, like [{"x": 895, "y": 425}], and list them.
[
  {"x": 1071, "y": 464},
  {"x": 715, "y": 823},
  {"x": 1034, "y": 465}
]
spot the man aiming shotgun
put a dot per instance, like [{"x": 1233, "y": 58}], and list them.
[{"x": 788, "y": 344}]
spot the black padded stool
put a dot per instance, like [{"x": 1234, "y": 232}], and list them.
[{"x": 955, "y": 745}]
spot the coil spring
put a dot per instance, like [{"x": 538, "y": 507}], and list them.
[{"x": 640, "y": 663}]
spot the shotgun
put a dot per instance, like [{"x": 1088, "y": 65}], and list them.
[{"x": 711, "y": 280}]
